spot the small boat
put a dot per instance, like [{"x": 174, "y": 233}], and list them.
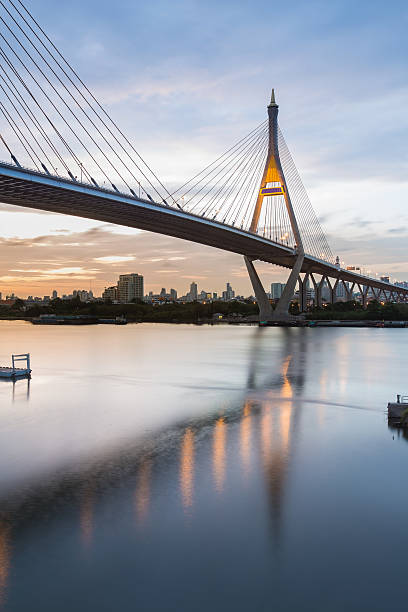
[
  {"x": 12, "y": 372},
  {"x": 52, "y": 319},
  {"x": 121, "y": 320}
]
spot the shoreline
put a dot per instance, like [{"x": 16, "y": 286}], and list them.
[{"x": 362, "y": 323}]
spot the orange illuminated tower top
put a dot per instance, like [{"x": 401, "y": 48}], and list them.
[{"x": 273, "y": 180}]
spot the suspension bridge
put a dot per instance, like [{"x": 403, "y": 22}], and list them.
[{"x": 65, "y": 154}]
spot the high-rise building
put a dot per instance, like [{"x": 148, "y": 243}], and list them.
[
  {"x": 130, "y": 287},
  {"x": 110, "y": 293},
  {"x": 163, "y": 292},
  {"x": 193, "y": 293},
  {"x": 325, "y": 292},
  {"x": 54, "y": 294},
  {"x": 173, "y": 295},
  {"x": 341, "y": 291},
  {"x": 277, "y": 290},
  {"x": 229, "y": 294}
]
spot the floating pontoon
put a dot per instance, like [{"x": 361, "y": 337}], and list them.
[{"x": 12, "y": 372}]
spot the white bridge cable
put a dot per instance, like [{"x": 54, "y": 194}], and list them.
[
  {"x": 67, "y": 123},
  {"x": 19, "y": 100},
  {"x": 313, "y": 237},
  {"x": 89, "y": 99},
  {"x": 227, "y": 189},
  {"x": 34, "y": 99},
  {"x": 225, "y": 161},
  {"x": 217, "y": 192},
  {"x": 245, "y": 194},
  {"x": 233, "y": 174},
  {"x": 94, "y": 126},
  {"x": 15, "y": 129},
  {"x": 206, "y": 197},
  {"x": 41, "y": 89},
  {"x": 242, "y": 208},
  {"x": 225, "y": 155}
]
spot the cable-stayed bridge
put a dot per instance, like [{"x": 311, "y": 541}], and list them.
[{"x": 66, "y": 155}]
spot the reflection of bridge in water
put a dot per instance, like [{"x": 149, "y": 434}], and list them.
[
  {"x": 258, "y": 434},
  {"x": 249, "y": 201}
]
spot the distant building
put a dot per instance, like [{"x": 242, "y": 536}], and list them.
[
  {"x": 110, "y": 293},
  {"x": 341, "y": 291},
  {"x": 83, "y": 295},
  {"x": 173, "y": 295},
  {"x": 54, "y": 294},
  {"x": 8, "y": 301},
  {"x": 204, "y": 296},
  {"x": 130, "y": 287},
  {"x": 325, "y": 292},
  {"x": 277, "y": 290},
  {"x": 193, "y": 293},
  {"x": 229, "y": 294}
]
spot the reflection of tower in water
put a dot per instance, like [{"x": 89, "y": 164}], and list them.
[
  {"x": 219, "y": 453},
  {"x": 187, "y": 468},
  {"x": 142, "y": 494},
  {"x": 278, "y": 397},
  {"x": 245, "y": 438},
  {"x": 86, "y": 515}
]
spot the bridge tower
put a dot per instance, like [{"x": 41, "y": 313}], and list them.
[{"x": 273, "y": 184}]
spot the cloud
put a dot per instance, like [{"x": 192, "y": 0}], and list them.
[{"x": 114, "y": 258}]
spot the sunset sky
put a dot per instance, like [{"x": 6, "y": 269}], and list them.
[{"x": 187, "y": 79}]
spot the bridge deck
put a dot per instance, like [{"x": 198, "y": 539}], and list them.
[{"x": 27, "y": 188}]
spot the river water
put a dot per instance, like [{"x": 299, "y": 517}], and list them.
[{"x": 175, "y": 467}]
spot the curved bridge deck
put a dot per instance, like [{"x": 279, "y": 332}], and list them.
[{"x": 22, "y": 187}]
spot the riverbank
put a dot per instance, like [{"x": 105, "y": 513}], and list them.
[{"x": 341, "y": 314}]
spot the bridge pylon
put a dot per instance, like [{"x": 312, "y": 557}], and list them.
[{"x": 273, "y": 184}]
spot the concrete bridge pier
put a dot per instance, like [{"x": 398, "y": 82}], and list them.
[
  {"x": 264, "y": 305},
  {"x": 281, "y": 312}
]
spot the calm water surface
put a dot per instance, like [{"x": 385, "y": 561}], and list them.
[{"x": 157, "y": 467}]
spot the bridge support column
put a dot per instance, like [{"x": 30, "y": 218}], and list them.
[
  {"x": 305, "y": 285},
  {"x": 264, "y": 305},
  {"x": 348, "y": 290},
  {"x": 364, "y": 296},
  {"x": 281, "y": 312},
  {"x": 300, "y": 285},
  {"x": 331, "y": 291},
  {"x": 317, "y": 302},
  {"x": 376, "y": 293},
  {"x": 336, "y": 284}
]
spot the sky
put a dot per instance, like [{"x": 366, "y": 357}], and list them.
[{"x": 187, "y": 79}]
